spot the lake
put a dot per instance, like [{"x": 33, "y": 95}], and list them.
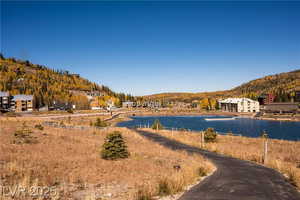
[{"x": 244, "y": 126}]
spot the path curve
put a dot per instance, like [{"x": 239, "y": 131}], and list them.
[{"x": 234, "y": 179}]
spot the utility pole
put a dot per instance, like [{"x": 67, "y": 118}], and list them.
[
  {"x": 265, "y": 147},
  {"x": 202, "y": 140},
  {"x": 265, "y": 159}
]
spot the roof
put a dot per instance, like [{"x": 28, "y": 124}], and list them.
[
  {"x": 281, "y": 106},
  {"x": 23, "y": 97},
  {"x": 4, "y": 94},
  {"x": 282, "y": 103},
  {"x": 235, "y": 100}
]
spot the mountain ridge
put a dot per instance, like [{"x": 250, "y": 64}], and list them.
[{"x": 283, "y": 85}]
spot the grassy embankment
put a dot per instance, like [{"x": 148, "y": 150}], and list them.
[
  {"x": 283, "y": 156},
  {"x": 69, "y": 160}
]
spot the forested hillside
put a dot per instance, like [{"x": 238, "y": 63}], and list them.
[
  {"x": 47, "y": 85},
  {"x": 282, "y": 85}
]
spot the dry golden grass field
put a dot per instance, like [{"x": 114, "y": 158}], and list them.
[
  {"x": 69, "y": 161},
  {"x": 283, "y": 156}
]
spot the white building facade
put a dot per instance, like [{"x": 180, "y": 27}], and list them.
[
  {"x": 128, "y": 104},
  {"x": 239, "y": 105}
]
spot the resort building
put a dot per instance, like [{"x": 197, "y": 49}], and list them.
[
  {"x": 181, "y": 105},
  {"x": 152, "y": 104},
  {"x": 22, "y": 103},
  {"x": 110, "y": 103},
  {"x": 128, "y": 104},
  {"x": 266, "y": 99},
  {"x": 4, "y": 101},
  {"x": 239, "y": 105},
  {"x": 60, "y": 105},
  {"x": 281, "y": 108},
  {"x": 94, "y": 104},
  {"x": 96, "y": 108},
  {"x": 297, "y": 96}
]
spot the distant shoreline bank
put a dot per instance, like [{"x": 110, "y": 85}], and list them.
[
  {"x": 212, "y": 113},
  {"x": 131, "y": 113},
  {"x": 181, "y": 113}
]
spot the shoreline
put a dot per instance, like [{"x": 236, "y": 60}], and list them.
[
  {"x": 277, "y": 119},
  {"x": 141, "y": 113},
  {"x": 127, "y": 117},
  {"x": 181, "y": 113}
]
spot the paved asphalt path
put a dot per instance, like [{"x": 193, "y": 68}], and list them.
[{"x": 234, "y": 179}]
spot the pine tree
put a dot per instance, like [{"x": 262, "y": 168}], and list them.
[
  {"x": 157, "y": 125},
  {"x": 114, "y": 147},
  {"x": 210, "y": 135},
  {"x": 100, "y": 123}
]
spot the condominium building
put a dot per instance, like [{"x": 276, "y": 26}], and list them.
[
  {"x": 297, "y": 96},
  {"x": 239, "y": 105},
  {"x": 4, "y": 101},
  {"x": 266, "y": 99},
  {"x": 128, "y": 104},
  {"x": 281, "y": 107},
  {"x": 22, "y": 103}
]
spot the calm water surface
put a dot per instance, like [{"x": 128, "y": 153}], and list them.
[{"x": 245, "y": 126}]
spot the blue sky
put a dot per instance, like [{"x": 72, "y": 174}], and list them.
[{"x": 153, "y": 47}]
